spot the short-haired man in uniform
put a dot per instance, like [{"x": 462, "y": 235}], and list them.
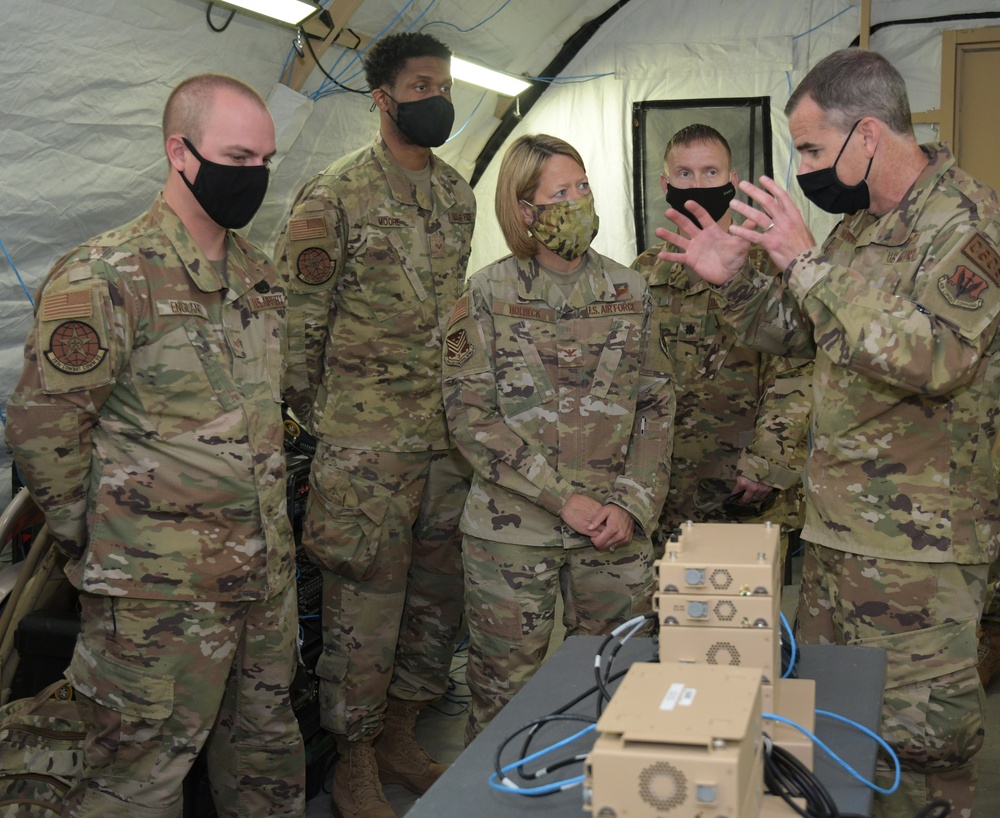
[
  {"x": 742, "y": 415},
  {"x": 147, "y": 425},
  {"x": 900, "y": 305},
  {"x": 375, "y": 254}
]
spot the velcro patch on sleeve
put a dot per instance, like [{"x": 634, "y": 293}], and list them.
[
  {"x": 313, "y": 265},
  {"x": 459, "y": 348},
  {"x": 460, "y": 310},
  {"x": 67, "y": 304},
  {"x": 76, "y": 348},
  {"x": 308, "y": 228},
  {"x": 981, "y": 253},
  {"x": 963, "y": 288}
]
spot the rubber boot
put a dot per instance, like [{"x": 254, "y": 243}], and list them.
[
  {"x": 357, "y": 792},
  {"x": 400, "y": 759}
]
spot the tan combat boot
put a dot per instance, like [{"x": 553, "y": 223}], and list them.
[
  {"x": 400, "y": 759},
  {"x": 356, "y": 790}
]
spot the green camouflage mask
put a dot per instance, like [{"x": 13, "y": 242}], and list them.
[{"x": 566, "y": 228}]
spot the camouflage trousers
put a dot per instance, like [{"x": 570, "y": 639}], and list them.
[
  {"x": 166, "y": 677},
  {"x": 924, "y": 615},
  {"x": 510, "y": 603},
  {"x": 383, "y": 526}
]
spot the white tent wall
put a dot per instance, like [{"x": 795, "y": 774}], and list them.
[
  {"x": 676, "y": 49},
  {"x": 83, "y": 82},
  {"x": 82, "y": 88}
]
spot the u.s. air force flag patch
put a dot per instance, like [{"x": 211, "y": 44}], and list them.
[{"x": 459, "y": 348}]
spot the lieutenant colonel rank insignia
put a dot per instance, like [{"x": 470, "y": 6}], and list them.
[{"x": 460, "y": 349}]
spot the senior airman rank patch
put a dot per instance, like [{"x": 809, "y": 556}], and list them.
[
  {"x": 75, "y": 348},
  {"x": 460, "y": 348},
  {"x": 314, "y": 266},
  {"x": 963, "y": 288}
]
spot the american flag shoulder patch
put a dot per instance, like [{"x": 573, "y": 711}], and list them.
[
  {"x": 312, "y": 227},
  {"x": 460, "y": 310},
  {"x": 72, "y": 304}
]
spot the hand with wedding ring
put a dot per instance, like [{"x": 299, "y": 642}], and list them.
[
  {"x": 786, "y": 234},
  {"x": 611, "y": 526}
]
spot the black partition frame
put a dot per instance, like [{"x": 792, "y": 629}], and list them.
[{"x": 744, "y": 121}]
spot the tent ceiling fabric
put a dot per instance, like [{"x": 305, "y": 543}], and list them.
[{"x": 83, "y": 82}]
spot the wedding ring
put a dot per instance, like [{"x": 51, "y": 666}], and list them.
[{"x": 769, "y": 227}]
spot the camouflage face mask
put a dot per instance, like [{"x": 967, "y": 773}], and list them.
[{"x": 565, "y": 228}]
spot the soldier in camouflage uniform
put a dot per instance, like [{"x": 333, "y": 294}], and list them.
[
  {"x": 147, "y": 425},
  {"x": 375, "y": 255},
  {"x": 988, "y": 653},
  {"x": 742, "y": 415},
  {"x": 556, "y": 393},
  {"x": 901, "y": 306}
]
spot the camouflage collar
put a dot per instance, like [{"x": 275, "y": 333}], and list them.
[
  {"x": 894, "y": 228},
  {"x": 594, "y": 283},
  {"x": 442, "y": 186},
  {"x": 244, "y": 267}
]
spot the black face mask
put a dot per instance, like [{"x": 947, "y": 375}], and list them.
[
  {"x": 229, "y": 194},
  {"x": 825, "y": 190},
  {"x": 714, "y": 199},
  {"x": 425, "y": 122}
]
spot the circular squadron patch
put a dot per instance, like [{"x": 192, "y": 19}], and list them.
[
  {"x": 314, "y": 265},
  {"x": 75, "y": 348}
]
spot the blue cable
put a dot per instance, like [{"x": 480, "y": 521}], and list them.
[
  {"x": 469, "y": 119},
  {"x": 325, "y": 91},
  {"x": 795, "y": 652},
  {"x": 357, "y": 56},
  {"x": 463, "y": 30},
  {"x": 420, "y": 16},
  {"x": 847, "y": 767},
  {"x": 547, "y": 788},
  {"x": 20, "y": 280},
  {"x": 820, "y": 25}
]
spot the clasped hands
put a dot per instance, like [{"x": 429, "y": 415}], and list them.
[{"x": 608, "y": 526}]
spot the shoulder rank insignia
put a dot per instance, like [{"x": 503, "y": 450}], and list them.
[{"x": 459, "y": 348}]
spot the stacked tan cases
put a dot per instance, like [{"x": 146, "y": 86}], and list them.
[
  {"x": 718, "y": 603},
  {"x": 679, "y": 740},
  {"x": 718, "y": 598}
]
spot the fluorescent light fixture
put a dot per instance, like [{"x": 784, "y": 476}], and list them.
[
  {"x": 487, "y": 78},
  {"x": 289, "y": 12}
]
